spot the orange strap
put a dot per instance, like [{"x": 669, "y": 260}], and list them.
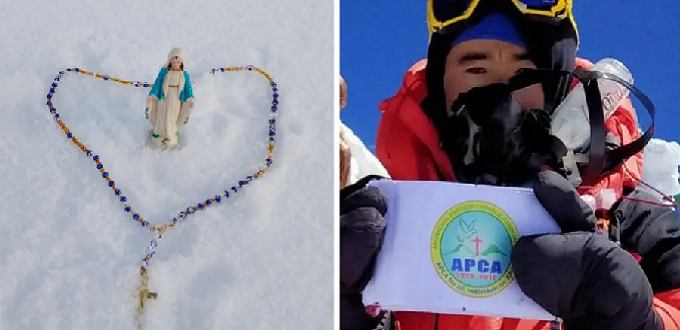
[{"x": 603, "y": 224}]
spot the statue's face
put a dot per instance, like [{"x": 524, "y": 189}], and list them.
[{"x": 175, "y": 62}]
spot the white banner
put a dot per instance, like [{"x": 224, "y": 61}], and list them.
[{"x": 447, "y": 249}]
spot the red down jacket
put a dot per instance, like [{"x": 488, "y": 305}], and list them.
[{"x": 408, "y": 146}]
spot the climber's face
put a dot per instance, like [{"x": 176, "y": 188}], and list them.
[
  {"x": 175, "y": 62},
  {"x": 479, "y": 62}
]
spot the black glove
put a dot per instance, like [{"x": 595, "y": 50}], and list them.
[
  {"x": 653, "y": 232},
  {"x": 559, "y": 197},
  {"x": 581, "y": 276},
  {"x": 362, "y": 228}
]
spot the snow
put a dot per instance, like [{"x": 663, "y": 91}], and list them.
[
  {"x": 662, "y": 159},
  {"x": 70, "y": 254}
]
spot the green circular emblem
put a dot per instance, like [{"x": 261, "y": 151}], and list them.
[{"x": 471, "y": 246}]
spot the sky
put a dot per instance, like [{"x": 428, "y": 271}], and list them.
[{"x": 380, "y": 41}]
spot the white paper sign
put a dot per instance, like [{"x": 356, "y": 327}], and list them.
[{"x": 447, "y": 249}]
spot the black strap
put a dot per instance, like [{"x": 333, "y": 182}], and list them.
[
  {"x": 614, "y": 157},
  {"x": 596, "y": 158},
  {"x": 600, "y": 160}
]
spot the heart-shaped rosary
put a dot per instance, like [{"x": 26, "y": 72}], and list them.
[{"x": 172, "y": 93}]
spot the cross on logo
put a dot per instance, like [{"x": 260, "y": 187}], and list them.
[{"x": 477, "y": 241}]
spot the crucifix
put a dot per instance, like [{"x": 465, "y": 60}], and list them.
[
  {"x": 143, "y": 294},
  {"x": 477, "y": 241}
]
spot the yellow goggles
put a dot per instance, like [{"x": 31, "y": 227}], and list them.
[{"x": 443, "y": 13}]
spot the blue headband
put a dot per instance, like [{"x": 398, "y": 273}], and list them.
[{"x": 494, "y": 26}]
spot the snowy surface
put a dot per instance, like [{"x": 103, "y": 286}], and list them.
[{"x": 70, "y": 255}]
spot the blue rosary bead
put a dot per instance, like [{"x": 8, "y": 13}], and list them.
[{"x": 111, "y": 183}]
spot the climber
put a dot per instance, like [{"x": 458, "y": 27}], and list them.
[{"x": 581, "y": 276}]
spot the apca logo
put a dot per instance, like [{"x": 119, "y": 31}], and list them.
[{"x": 471, "y": 246}]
